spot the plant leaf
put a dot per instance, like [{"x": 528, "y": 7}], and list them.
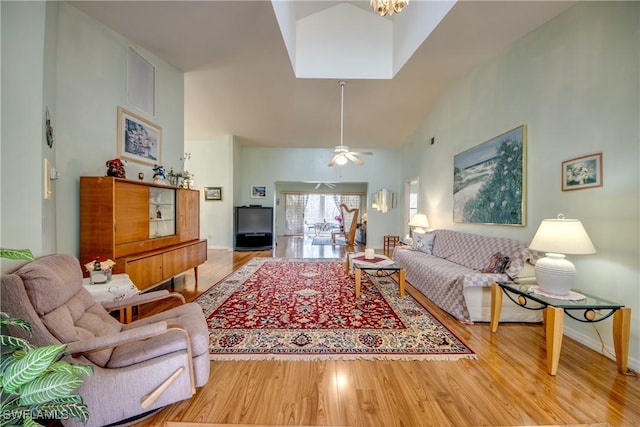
[
  {"x": 28, "y": 422},
  {"x": 6, "y": 320},
  {"x": 34, "y": 363},
  {"x": 24, "y": 254},
  {"x": 11, "y": 343},
  {"x": 48, "y": 387},
  {"x": 70, "y": 368}
]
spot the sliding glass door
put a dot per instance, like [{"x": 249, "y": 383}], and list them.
[{"x": 310, "y": 213}]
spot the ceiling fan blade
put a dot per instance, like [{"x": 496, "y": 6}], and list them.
[
  {"x": 318, "y": 185},
  {"x": 333, "y": 160},
  {"x": 330, "y": 185},
  {"x": 354, "y": 159},
  {"x": 361, "y": 153}
]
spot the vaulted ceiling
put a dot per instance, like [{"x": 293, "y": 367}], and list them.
[{"x": 241, "y": 58}]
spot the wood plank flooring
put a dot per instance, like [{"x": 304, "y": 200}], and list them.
[{"x": 506, "y": 386}]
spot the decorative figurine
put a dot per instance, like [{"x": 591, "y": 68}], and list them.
[
  {"x": 116, "y": 168},
  {"x": 159, "y": 175}
]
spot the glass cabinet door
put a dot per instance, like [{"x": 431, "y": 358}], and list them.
[{"x": 162, "y": 212}]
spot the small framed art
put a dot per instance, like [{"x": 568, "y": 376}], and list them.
[
  {"x": 258, "y": 192},
  {"x": 139, "y": 140},
  {"x": 582, "y": 172},
  {"x": 213, "y": 193}
]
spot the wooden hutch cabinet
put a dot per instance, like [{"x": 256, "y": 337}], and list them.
[{"x": 151, "y": 231}]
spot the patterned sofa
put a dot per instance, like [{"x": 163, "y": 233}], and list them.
[{"x": 447, "y": 267}]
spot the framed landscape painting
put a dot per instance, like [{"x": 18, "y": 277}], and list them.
[
  {"x": 582, "y": 172},
  {"x": 213, "y": 193},
  {"x": 258, "y": 191},
  {"x": 489, "y": 181},
  {"x": 139, "y": 140}
]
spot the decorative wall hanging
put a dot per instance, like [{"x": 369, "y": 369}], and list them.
[
  {"x": 258, "y": 192},
  {"x": 489, "y": 181},
  {"x": 582, "y": 172},
  {"x": 139, "y": 140},
  {"x": 48, "y": 129},
  {"x": 213, "y": 193}
]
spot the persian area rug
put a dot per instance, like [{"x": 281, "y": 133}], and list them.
[{"x": 274, "y": 308}]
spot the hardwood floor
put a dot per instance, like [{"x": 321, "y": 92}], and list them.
[{"x": 506, "y": 386}]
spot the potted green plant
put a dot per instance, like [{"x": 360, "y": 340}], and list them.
[{"x": 34, "y": 382}]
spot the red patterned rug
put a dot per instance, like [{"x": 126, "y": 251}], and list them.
[{"x": 307, "y": 309}]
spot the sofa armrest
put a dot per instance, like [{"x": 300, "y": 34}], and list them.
[
  {"x": 142, "y": 299},
  {"x": 101, "y": 343}
]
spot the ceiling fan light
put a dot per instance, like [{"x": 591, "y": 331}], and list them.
[
  {"x": 342, "y": 160},
  {"x": 398, "y": 5}
]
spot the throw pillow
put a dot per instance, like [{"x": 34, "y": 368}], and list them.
[
  {"x": 423, "y": 242},
  {"x": 497, "y": 264}
]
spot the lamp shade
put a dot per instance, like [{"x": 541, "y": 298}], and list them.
[
  {"x": 419, "y": 222},
  {"x": 563, "y": 236}
]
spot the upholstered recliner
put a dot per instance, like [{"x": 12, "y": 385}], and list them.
[{"x": 138, "y": 367}]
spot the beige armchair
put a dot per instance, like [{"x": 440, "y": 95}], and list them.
[{"x": 138, "y": 367}]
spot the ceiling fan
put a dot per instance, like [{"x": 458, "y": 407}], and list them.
[
  {"x": 329, "y": 185},
  {"x": 342, "y": 154},
  {"x": 318, "y": 184}
]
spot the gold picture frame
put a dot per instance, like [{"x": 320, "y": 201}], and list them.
[
  {"x": 582, "y": 172},
  {"x": 490, "y": 180}
]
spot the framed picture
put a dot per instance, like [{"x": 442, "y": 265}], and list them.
[
  {"x": 582, "y": 172},
  {"x": 258, "y": 192},
  {"x": 213, "y": 193},
  {"x": 139, "y": 140},
  {"x": 489, "y": 181}
]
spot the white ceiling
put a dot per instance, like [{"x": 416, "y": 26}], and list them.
[{"x": 239, "y": 79}]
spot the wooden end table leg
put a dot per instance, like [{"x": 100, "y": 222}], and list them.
[
  {"x": 554, "y": 330},
  {"x": 496, "y": 306},
  {"x": 621, "y": 333},
  {"x": 401, "y": 280},
  {"x": 195, "y": 273},
  {"x": 358, "y": 281},
  {"x": 346, "y": 265}
]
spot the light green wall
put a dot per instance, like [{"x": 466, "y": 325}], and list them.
[
  {"x": 213, "y": 161},
  {"x": 55, "y": 56},
  {"x": 91, "y": 84},
  {"x": 575, "y": 83},
  {"x": 22, "y": 208}
]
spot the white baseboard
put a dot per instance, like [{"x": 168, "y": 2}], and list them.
[
  {"x": 220, "y": 247},
  {"x": 596, "y": 345}
]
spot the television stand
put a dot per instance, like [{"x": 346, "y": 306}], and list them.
[{"x": 253, "y": 241}]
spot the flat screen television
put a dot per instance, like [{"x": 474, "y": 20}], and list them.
[{"x": 250, "y": 219}]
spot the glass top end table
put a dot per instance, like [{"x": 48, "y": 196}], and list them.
[
  {"x": 589, "y": 309},
  {"x": 379, "y": 266}
]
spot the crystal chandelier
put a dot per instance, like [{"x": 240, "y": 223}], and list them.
[{"x": 384, "y": 7}]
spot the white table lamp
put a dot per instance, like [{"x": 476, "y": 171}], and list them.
[
  {"x": 554, "y": 273},
  {"x": 419, "y": 222}
]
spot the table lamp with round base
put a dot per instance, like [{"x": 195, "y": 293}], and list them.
[{"x": 554, "y": 273}]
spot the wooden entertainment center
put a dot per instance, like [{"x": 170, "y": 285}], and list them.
[{"x": 151, "y": 231}]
